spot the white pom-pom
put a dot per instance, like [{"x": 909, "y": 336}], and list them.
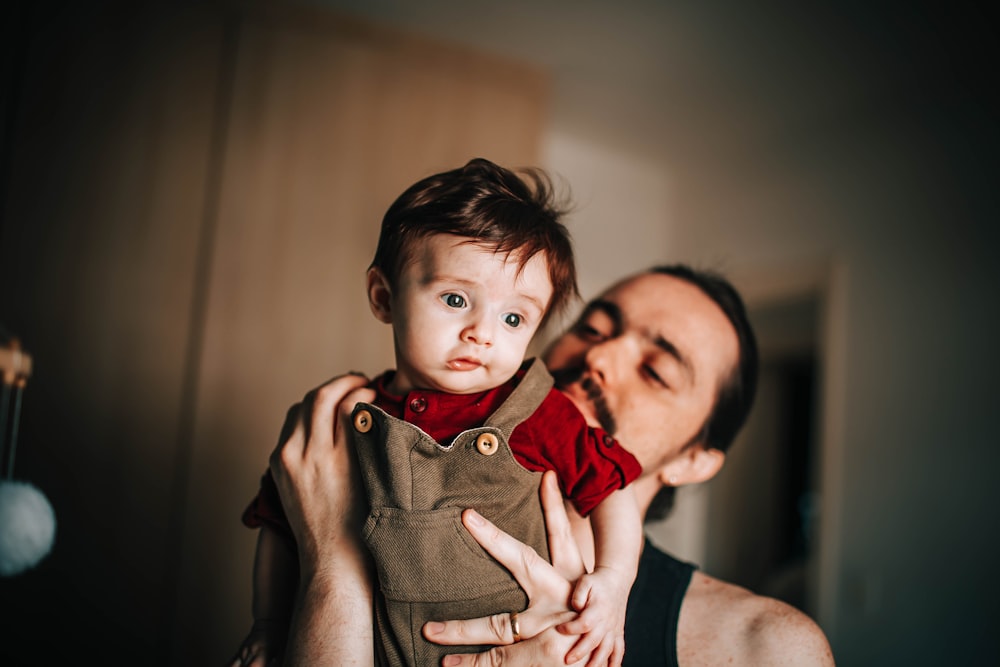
[{"x": 27, "y": 527}]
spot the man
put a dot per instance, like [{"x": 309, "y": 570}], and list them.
[{"x": 665, "y": 361}]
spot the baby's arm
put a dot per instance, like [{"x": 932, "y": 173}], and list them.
[
  {"x": 275, "y": 577},
  {"x": 602, "y": 595}
]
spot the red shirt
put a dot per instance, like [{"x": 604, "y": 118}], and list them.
[{"x": 589, "y": 463}]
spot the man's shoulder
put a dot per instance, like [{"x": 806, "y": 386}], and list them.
[{"x": 724, "y": 623}]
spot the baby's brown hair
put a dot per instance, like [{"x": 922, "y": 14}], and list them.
[{"x": 505, "y": 210}]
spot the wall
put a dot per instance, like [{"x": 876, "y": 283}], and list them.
[
  {"x": 193, "y": 194},
  {"x": 897, "y": 215},
  {"x": 852, "y": 155},
  {"x": 107, "y": 158},
  {"x": 893, "y": 224}
]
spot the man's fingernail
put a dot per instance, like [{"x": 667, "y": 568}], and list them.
[
  {"x": 434, "y": 627},
  {"x": 451, "y": 660},
  {"x": 476, "y": 520}
]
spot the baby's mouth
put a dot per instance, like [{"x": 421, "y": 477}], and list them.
[{"x": 464, "y": 364}]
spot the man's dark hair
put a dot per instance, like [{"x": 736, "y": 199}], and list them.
[
  {"x": 736, "y": 395},
  {"x": 505, "y": 210}
]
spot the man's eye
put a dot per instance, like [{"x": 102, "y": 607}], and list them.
[
  {"x": 653, "y": 375},
  {"x": 588, "y": 332},
  {"x": 454, "y": 300},
  {"x": 512, "y": 320}
]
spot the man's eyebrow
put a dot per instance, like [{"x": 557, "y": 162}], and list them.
[
  {"x": 610, "y": 309},
  {"x": 615, "y": 313}
]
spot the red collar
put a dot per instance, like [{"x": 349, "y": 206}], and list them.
[{"x": 440, "y": 415}]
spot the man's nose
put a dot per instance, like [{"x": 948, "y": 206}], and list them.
[{"x": 608, "y": 359}]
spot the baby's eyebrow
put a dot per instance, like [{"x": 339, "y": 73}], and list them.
[
  {"x": 538, "y": 303},
  {"x": 445, "y": 278}
]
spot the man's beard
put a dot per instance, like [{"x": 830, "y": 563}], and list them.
[{"x": 564, "y": 377}]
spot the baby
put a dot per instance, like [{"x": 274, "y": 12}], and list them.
[{"x": 470, "y": 264}]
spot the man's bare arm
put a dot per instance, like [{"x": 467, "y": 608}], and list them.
[{"x": 721, "y": 623}]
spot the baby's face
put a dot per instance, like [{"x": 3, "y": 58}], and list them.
[{"x": 463, "y": 315}]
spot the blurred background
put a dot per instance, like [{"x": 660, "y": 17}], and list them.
[{"x": 191, "y": 193}]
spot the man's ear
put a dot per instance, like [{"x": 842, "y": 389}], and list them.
[
  {"x": 379, "y": 295},
  {"x": 695, "y": 464}
]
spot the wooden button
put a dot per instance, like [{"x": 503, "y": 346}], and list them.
[
  {"x": 487, "y": 444},
  {"x": 363, "y": 421}
]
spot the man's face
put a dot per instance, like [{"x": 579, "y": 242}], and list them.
[
  {"x": 463, "y": 315},
  {"x": 650, "y": 355}
]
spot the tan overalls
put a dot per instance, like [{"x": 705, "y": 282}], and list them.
[{"x": 429, "y": 566}]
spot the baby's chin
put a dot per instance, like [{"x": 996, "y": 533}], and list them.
[{"x": 465, "y": 382}]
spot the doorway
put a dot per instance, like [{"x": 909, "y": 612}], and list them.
[{"x": 762, "y": 508}]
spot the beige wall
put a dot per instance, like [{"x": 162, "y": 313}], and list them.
[{"x": 195, "y": 195}]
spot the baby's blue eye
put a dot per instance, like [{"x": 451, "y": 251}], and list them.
[
  {"x": 454, "y": 300},
  {"x": 512, "y": 320}
]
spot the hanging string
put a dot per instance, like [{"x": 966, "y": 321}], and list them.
[
  {"x": 14, "y": 423},
  {"x": 7, "y": 460},
  {"x": 15, "y": 367}
]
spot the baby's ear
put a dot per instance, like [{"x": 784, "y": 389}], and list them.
[{"x": 379, "y": 295}]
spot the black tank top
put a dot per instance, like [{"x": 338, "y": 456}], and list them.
[{"x": 653, "y": 609}]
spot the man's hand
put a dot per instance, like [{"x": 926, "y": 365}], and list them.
[
  {"x": 317, "y": 479},
  {"x": 548, "y": 587},
  {"x": 314, "y": 470}
]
